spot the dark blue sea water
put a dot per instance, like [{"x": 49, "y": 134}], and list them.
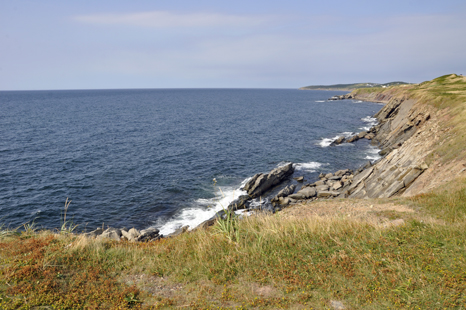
[{"x": 148, "y": 157}]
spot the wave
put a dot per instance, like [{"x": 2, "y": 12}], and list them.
[
  {"x": 321, "y": 101},
  {"x": 310, "y": 167},
  {"x": 325, "y": 142},
  {"x": 373, "y": 153},
  {"x": 203, "y": 209}
]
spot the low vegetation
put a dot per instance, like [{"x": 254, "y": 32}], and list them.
[{"x": 262, "y": 262}]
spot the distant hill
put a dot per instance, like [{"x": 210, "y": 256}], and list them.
[{"x": 350, "y": 87}]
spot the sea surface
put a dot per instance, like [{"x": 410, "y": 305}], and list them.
[{"x": 162, "y": 157}]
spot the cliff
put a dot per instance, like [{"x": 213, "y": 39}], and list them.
[{"x": 421, "y": 134}]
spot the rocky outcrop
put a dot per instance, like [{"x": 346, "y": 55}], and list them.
[
  {"x": 133, "y": 235},
  {"x": 342, "y": 97},
  {"x": 402, "y": 124},
  {"x": 260, "y": 183}
]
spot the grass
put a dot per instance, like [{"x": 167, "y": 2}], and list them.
[{"x": 274, "y": 262}]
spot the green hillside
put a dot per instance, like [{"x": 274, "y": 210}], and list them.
[{"x": 348, "y": 87}]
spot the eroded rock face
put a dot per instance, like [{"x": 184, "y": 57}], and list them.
[
  {"x": 400, "y": 123},
  {"x": 261, "y": 183}
]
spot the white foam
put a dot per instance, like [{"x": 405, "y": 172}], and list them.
[
  {"x": 280, "y": 164},
  {"x": 369, "y": 119},
  {"x": 373, "y": 153},
  {"x": 203, "y": 210},
  {"x": 325, "y": 142},
  {"x": 320, "y": 100},
  {"x": 311, "y": 166}
]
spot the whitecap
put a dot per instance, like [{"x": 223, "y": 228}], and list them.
[
  {"x": 320, "y": 100},
  {"x": 372, "y": 153},
  {"x": 203, "y": 209},
  {"x": 369, "y": 119},
  {"x": 326, "y": 142},
  {"x": 310, "y": 167}
]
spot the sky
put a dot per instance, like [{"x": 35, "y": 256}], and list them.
[{"x": 108, "y": 44}]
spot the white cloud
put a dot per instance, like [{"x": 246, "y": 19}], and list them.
[{"x": 164, "y": 19}]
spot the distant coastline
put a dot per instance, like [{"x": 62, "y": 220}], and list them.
[{"x": 351, "y": 87}]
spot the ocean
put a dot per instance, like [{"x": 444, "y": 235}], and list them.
[{"x": 162, "y": 158}]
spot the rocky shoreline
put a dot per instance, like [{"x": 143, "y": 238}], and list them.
[{"x": 394, "y": 174}]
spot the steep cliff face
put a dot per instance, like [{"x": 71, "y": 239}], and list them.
[{"x": 408, "y": 132}]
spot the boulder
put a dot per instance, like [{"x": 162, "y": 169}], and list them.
[
  {"x": 337, "y": 186},
  {"x": 341, "y": 172},
  {"x": 304, "y": 193},
  {"x": 369, "y": 136},
  {"x": 327, "y": 194},
  {"x": 94, "y": 233},
  {"x": 131, "y": 235},
  {"x": 335, "y": 178},
  {"x": 328, "y": 175},
  {"x": 299, "y": 179},
  {"x": 149, "y": 234},
  {"x": 240, "y": 203},
  {"x": 286, "y": 191},
  {"x": 352, "y": 139},
  {"x": 321, "y": 175},
  {"x": 362, "y": 134},
  {"x": 178, "y": 232},
  {"x": 251, "y": 182},
  {"x": 111, "y": 233},
  {"x": 264, "y": 182},
  {"x": 321, "y": 188},
  {"x": 338, "y": 141},
  {"x": 319, "y": 183}
]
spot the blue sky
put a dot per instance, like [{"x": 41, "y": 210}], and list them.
[{"x": 262, "y": 44}]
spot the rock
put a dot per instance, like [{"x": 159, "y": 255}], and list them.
[
  {"x": 240, "y": 203},
  {"x": 321, "y": 188},
  {"x": 94, "y": 233},
  {"x": 352, "y": 139},
  {"x": 319, "y": 183},
  {"x": 299, "y": 179},
  {"x": 304, "y": 193},
  {"x": 327, "y": 194},
  {"x": 338, "y": 141},
  {"x": 284, "y": 201},
  {"x": 335, "y": 178},
  {"x": 149, "y": 234},
  {"x": 264, "y": 182},
  {"x": 369, "y": 136},
  {"x": 321, "y": 175},
  {"x": 251, "y": 182},
  {"x": 111, "y": 233},
  {"x": 385, "y": 151},
  {"x": 362, "y": 134},
  {"x": 337, "y": 186},
  {"x": 341, "y": 172},
  {"x": 328, "y": 175},
  {"x": 178, "y": 232},
  {"x": 286, "y": 191}
]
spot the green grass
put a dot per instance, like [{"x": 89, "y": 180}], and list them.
[{"x": 275, "y": 262}]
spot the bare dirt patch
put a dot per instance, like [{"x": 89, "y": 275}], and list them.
[
  {"x": 371, "y": 211},
  {"x": 156, "y": 286}
]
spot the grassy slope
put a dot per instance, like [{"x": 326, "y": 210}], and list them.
[
  {"x": 350, "y": 87},
  {"x": 446, "y": 93},
  {"x": 264, "y": 262}
]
